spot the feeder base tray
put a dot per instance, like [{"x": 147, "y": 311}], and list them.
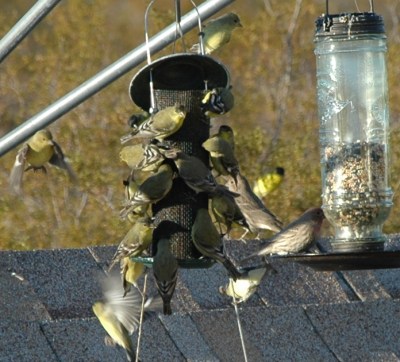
[
  {"x": 345, "y": 261},
  {"x": 203, "y": 263}
]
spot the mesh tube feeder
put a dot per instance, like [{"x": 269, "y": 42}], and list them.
[{"x": 183, "y": 79}]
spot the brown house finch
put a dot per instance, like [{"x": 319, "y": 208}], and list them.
[
  {"x": 257, "y": 216},
  {"x": 297, "y": 237}
]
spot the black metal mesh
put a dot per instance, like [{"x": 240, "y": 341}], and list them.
[{"x": 182, "y": 203}]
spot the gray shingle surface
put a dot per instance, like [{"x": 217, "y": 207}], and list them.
[{"x": 297, "y": 314}]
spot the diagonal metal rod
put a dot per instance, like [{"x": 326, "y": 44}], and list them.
[
  {"x": 25, "y": 25},
  {"x": 107, "y": 76}
]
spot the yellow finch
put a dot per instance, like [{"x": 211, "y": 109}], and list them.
[
  {"x": 217, "y": 32},
  {"x": 147, "y": 157},
  {"x": 160, "y": 125},
  {"x": 135, "y": 242},
  {"x": 39, "y": 150},
  {"x": 299, "y": 236},
  {"x": 257, "y": 216},
  {"x": 217, "y": 101},
  {"x": 131, "y": 271},
  {"x": 268, "y": 182},
  {"x": 152, "y": 190},
  {"x": 222, "y": 157},
  {"x": 208, "y": 241},
  {"x": 120, "y": 315},
  {"x": 245, "y": 286}
]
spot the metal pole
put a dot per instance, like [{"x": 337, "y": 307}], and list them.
[
  {"x": 107, "y": 76},
  {"x": 25, "y": 26}
]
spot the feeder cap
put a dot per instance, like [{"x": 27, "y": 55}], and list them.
[
  {"x": 177, "y": 72},
  {"x": 349, "y": 24}
]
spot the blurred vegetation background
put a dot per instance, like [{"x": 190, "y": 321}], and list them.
[{"x": 272, "y": 67}]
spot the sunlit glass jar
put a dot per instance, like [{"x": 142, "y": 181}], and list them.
[{"x": 353, "y": 111}]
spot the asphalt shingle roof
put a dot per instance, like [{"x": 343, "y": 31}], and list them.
[{"x": 298, "y": 314}]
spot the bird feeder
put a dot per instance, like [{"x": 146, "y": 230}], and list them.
[
  {"x": 352, "y": 94},
  {"x": 183, "y": 79}
]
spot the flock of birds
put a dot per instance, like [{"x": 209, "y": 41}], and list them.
[{"x": 233, "y": 204}]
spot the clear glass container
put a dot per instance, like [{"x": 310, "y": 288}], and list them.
[{"x": 353, "y": 111}]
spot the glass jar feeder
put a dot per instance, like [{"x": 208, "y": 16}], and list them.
[{"x": 352, "y": 96}]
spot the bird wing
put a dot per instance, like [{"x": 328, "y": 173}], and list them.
[
  {"x": 126, "y": 309},
  {"x": 17, "y": 172},
  {"x": 58, "y": 160}
]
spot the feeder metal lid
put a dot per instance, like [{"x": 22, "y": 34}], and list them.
[
  {"x": 347, "y": 24},
  {"x": 177, "y": 72}
]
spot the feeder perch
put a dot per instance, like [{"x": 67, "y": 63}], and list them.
[{"x": 182, "y": 79}]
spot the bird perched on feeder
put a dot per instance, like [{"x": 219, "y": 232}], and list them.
[
  {"x": 268, "y": 182},
  {"x": 257, "y": 216},
  {"x": 137, "y": 239},
  {"x": 160, "y": 125},
  {"x": 299, "y": 236},
  {"x": 152, "y": 190},
  {"x": 217, "y": 32},
  {"x": 246, "y": 285},
  {"x": 147, "y": 158},
  {"x": 222, "y": 156},
  {"x": 165, "y": 265},
  {"x": 208, "y": 241},
  {"x": 195, "y": 173},
  {"x": 217, "y": 101},
  {"x": 131, "y": 187},
  {"x": 39, "y": 150},
  {"x": 227, "y": 212},
  {"x": 226, "y": 133},
  {"x": 131, "y": 271},
  {"x": 119, "y": 315}
]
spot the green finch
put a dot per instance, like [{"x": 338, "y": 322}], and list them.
[
  {"x": 208, "y": 242},
  {"x": 152, "y": 190},
  {"x": 226, "y": 133},
  {"x": 227, "y": 212},
  {"x": 165, "y": 265},
  {"x": 165, "y": 269},
  {"x": 222, "y": 157},
  {"x": 135, "y": 242},
  {"x": 217, "y": 32},
  {"x": 299, "y": 236},
  {"x": 120, "y": 315},
  {"x": 195, "y": 173},
  {"x": 136, "y": 119},
  {"x": 217, "y": 101},
  {"x": 39, "y": 150},
  {"x": 131, "y": 186},
  {"x": 160, "y": 125},
  {"x": 268, "y": 182},
  {"x": 257, "y": 216},
  {"x": 245, "y": 286}
]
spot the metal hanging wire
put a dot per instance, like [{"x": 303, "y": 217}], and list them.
[
  {"x": 141, "y": 318},
  {"x": 240, "y": 329},
  {"x": 178, "y": 34},
  {"x": 371, "y": 6}
]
